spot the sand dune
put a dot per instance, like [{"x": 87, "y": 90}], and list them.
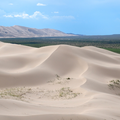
[{"x": 59, "y": 82}]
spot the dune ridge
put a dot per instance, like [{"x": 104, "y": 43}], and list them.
[{"x": 59, "y": 82}]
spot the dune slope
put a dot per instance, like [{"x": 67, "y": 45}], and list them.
[{"x": 59, "y": 82}]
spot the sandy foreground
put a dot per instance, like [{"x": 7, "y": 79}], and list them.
[{"x": 59, "y": 82}]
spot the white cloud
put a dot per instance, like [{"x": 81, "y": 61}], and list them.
[
  {"x": 56, "y": 12},
  {"x": 23, "y": 15},
  {"x": 36, "y": 14},
  {"x": 10, "y": 16},
  {"x": 11, "y": 4},
  {"x": 40, "y": 4}
]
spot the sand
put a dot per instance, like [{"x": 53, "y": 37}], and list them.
[{"x": 59, "y": 82}]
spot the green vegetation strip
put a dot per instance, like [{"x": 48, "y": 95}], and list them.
[
  {"x": 113, "y": 50},
  {"x": 107, "y": 43}
]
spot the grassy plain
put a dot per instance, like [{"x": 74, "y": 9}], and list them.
[{"x": 109, "y": 44}]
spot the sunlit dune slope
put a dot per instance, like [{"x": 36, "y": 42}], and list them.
[{"x": 59, "y": 82}]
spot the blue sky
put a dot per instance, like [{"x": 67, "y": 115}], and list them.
[{"x": 88, "y": 17}]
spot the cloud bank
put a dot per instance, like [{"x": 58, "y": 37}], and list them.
[
  {"x": 36, "y": 14},
  {"x": 40, "y": 4}
]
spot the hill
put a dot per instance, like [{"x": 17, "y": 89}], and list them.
[{"x": 25, "y": 32}]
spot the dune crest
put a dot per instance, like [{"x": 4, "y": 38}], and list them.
[{"x": 59, "y": 82}]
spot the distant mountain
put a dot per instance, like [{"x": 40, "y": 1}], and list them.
[{"x": 25, "y": 32}]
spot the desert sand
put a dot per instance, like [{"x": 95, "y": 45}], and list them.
[{"x": 59, "y": 82}]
